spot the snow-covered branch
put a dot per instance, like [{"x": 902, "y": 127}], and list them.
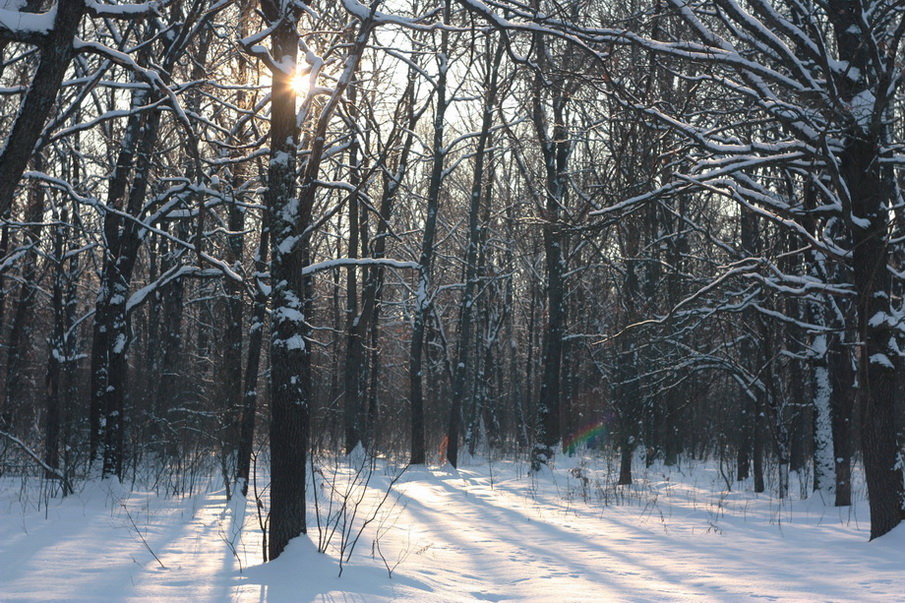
[{"x": 357, "y": 262}]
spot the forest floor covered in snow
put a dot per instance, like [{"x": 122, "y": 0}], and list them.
[{"x": 490, "y": 531}]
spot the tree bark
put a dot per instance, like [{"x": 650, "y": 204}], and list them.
[
  {"x": 56, "y": 53},
  {"x": 290, "y": 223},
  {"x": 355, "y": 367},
  {"x": 555, "y": 146},
  {"x": 111, "y": 328},
  {"x": 464, "y": 355},
  {"x": 868, "y": 189},
  {"x": 289, "y": 353},
  {"x": 842, "y": 403},
  {"x": 876, "y": 368},
  {"x": 252, "y": 364},
  {"x": 426, "y": 258},
  {"x": 23, "y": 316}
]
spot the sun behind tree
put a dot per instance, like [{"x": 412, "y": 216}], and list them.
[{"x": 301, "y": 81}]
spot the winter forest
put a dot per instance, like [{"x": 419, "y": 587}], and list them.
[{"x": 243, "y": 237}]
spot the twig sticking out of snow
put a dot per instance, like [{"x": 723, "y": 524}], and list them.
[{"x": 140, "y": 535}]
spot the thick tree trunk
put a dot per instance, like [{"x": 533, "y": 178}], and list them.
[
  {"x": 289, "y": 353},
  {"x": 868, "y": 191},
  {"x": 290, "y": 222},
  {"x": 56, "y": 53},
  {"x": 876, "y": 366},
  {"x": 551, "y": 375},
  {"x": 626, "y": 452}
]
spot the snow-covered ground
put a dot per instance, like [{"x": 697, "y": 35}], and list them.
[{"x": 488, "y": 532}]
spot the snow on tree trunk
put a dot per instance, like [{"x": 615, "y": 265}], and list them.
[
  {"x": 290, "y": 356},
  {"x": 867, "y": 190},
  {"x": 824, "y": 467}
]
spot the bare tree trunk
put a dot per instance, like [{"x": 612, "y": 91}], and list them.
[
  {"x": 425, "y": 260},
  {"x": 555, "y": 146},
  {"x": 290, "y": 223},
  {"x": 823, "y": 422},
  {"x": 252, "y": 364},
  {"x": 249, "y": 386},
  {"x": 754, "y": 413},
  {"x": 876, "y": 368},
  {"x": 842, "y": 403},
  {"x": 111, "y": 328},
  {"x": 59, "y": 353},
  {"x": 868, "y": 190},
  {"x": 290, "y": 356},
  {"x": 56, "y": 53},
  {"x": 464, "y": 356},
  {"x": 167, "y": 394},
  {"x": 23, "y": 322},
  {"x": 355, "y": 368}
]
